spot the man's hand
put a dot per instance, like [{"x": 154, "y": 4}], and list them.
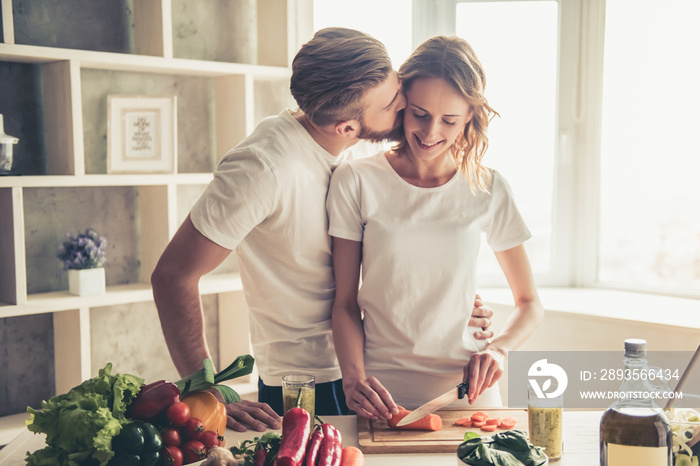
[
  {"x": 244, "y": 415},
  {"x": 481, "y": 317},
  {"x": 368, "y": 398}
]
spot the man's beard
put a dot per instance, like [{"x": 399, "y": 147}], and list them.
[{"x": 394, "y": 134}]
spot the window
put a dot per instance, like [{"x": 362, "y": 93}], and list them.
[
  {"x": 387, "y": 20},
  {"x": 516, "y": 43},
  {"x": 599, "y": 105},
  {"x": 650, "y": 153}
]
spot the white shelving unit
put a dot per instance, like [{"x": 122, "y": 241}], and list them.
[{"x": 235, "y": 106}]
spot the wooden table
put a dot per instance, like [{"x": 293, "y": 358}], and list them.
[{"x": 580, "y": 444}]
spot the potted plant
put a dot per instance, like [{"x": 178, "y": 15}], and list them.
[{"x": 83, "y": 255}]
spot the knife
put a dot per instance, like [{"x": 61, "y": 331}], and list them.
[{"x": 433, "y": 405}]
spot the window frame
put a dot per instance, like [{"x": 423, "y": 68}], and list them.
[{"x": 577, "y": 148}]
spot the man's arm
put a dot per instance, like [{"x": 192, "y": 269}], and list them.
[{"x": 175, "y": 280}]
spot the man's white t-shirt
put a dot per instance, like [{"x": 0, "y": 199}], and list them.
[
  {"x": 267, "y": 201},
  {"x": 419, "y": 251}
]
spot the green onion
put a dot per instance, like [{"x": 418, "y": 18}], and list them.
[{"x": 205, "y": 378}]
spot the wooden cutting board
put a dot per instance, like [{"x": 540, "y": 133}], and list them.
[{"x": 377, "y": 437}]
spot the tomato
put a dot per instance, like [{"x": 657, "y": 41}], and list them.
[
  {"x": 171, "y": 437},
  {"x": 193, "y": 429},
  {"x": 193, "y": 451},
  {"x": 210, "y": 439},
  {"x": 171, "y": 456},
  {"x": 178, "y": 413}
]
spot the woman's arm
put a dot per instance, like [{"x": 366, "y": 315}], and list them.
[
  {"x": 486, "y": 367},
  {"x": 367, "y": 397}
]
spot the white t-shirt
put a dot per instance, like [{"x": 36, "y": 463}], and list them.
[
  {"x": 267, "y": 201},
  {"x": 419, "y": 251}
]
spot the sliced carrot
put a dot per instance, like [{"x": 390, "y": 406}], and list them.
[
  {"x": 478, "y": 423},
  {"x": 351, "y": 456},
  {"x": 507, "y": 423},
  {"x": 462, "y": 421},
  {"x": 493, "y": 421},
  {"x": 479, "y": 416},
  {"x": 489, "y": 428},
  {"x": 429, "y": 422}
]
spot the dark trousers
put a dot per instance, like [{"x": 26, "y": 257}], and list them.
[{"x": 330, "y": 398}]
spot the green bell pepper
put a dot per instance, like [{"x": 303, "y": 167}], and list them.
[{"x": 138, "y": 444}]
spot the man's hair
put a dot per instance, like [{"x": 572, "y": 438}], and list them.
[{"x": 332, "y": 71}]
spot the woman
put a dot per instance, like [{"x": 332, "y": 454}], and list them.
[{"x": 410, "y": 219}]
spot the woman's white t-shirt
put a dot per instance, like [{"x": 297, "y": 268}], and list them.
[{"x": 419, "y": 251}]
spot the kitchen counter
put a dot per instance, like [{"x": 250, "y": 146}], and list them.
[{"x": 580, "y": 444}]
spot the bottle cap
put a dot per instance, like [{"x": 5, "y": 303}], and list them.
[{"x": 635, "y": 347}]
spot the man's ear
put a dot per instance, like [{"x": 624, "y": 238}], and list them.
[{"x": 348, "y": 129}]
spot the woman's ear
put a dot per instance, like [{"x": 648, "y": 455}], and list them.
[{"x": 347, "y": 129}]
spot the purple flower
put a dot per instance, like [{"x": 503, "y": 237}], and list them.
[{"x": 84, "y": 251}]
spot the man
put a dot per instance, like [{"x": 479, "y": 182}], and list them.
[{"x": 267, "y": 201}]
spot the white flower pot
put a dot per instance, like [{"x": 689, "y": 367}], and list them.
[{"x": 86, "y": 282}]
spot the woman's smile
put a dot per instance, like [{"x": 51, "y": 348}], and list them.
[{"x": 424, "y": 145}]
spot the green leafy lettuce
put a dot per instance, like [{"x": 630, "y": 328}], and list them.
[
  {"x": 509, "y": 448},
  {"x": 79, "y": 425}
]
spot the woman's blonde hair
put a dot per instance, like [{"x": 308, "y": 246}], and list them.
[
  {"x": 332, "y": 71},
  {"x": 454, "y": 60}
]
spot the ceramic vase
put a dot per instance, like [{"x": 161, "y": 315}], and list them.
[{"x": 86, "y": 282}]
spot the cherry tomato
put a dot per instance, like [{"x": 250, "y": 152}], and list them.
[
  {"x": 178, "y": 413},
  {"x": 193, "y": 429},
  {"x": 171, "y": 437},
  {"x": 193, "y": 451},
  {"x": 171, "y": 456},
  {"x": 210, "y": 439}
]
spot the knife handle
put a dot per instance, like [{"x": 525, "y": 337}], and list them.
[{"x": 462, "y": 389}]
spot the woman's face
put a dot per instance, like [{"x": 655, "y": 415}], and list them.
[{"x": 435, "y": 115}]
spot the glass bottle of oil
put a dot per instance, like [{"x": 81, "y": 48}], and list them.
[{"x": 633, "y": 431}]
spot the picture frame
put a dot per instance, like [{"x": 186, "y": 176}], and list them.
[{"x": 141, "y": 134}]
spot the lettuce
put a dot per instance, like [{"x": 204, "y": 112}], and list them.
[{"x": 79, "y": 425}]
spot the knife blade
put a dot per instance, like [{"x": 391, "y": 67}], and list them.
[{"x": 433, "y": 405}]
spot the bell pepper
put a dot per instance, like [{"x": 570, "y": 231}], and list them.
[
  {"x": 138, "y": 444},
  {"x": 295, "y": 436},
  {"x": 153, "y": 400},
  {"x": 208, "y": 409}
]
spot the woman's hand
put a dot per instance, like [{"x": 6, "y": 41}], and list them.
[
  {"x": 368, "y": 398},
  {"x": 483, "y": 370}
]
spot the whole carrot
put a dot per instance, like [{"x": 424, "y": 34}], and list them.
[
  {"x": 429, "y": 422},
  {"x": 352, "y": 456}
]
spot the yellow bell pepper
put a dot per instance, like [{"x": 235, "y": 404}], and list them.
[{"x": 208, "y": 409}]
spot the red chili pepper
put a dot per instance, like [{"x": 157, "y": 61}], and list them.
[
  {"x": 295, "y": 436},
  {"x": 314, "y": 446},
  {"x": 260, "y": 457},
  {"x": 329, "y": 453},
  {"x": 154, "y": 399},
  {"x": 337, "y": 448}
]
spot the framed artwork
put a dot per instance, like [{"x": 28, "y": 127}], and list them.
[{"x": 141, "y": 134}]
